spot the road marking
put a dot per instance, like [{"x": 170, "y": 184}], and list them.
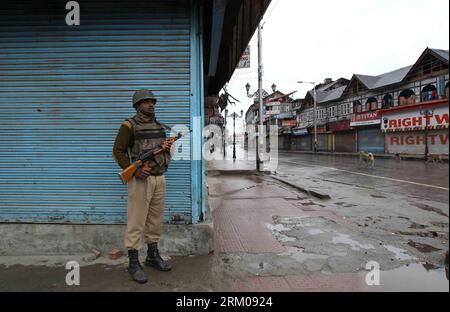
[{"x": 375, "y": 176}]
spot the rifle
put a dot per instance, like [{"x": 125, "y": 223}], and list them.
[{"x": 146, "y": 156}]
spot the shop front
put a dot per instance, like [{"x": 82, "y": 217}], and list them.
[
  {"x": 410, "y": 129},
  {"x": 301, "y": 139},
  {"x": 344, "y": 136},
  {"x": 370, "y": 138},
  {"x": 324, "y": 139}
]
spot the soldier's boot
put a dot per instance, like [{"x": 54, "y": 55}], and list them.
[
  {"x": 154, "y": 259},
  {"x": 135, "y": 269}
]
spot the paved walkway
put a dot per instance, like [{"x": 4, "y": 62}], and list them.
[{"x": 245, "y": 208}]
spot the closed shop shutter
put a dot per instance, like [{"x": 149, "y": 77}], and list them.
[
  {"x": 371, "y": 140},
  {"x": 322, "y": 142},
  {"x": 345, "y": 141},
  {"x": 64, "y": 92},
  {"x": 284, "y": 142},
  {"x": 304, "y": 143}
]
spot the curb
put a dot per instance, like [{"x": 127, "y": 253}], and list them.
[
  {"x": 213, "y": 172},
  {"x": 311, "y": 192}
]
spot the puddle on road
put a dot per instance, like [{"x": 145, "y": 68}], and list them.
[
  {"x": 400, "y": 254},
  {"x": 345, "y": 239},
  {"x": 414, "y": 278},
  {"x": 315, "y": 232}
]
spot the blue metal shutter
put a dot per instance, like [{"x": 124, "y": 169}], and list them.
[
  {"x": 371, "y": 140},
  {"x": 64, "y": 92}
]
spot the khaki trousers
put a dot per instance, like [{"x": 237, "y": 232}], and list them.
[{"x": 145, "y": 215}]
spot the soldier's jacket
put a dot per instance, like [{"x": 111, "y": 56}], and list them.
[{"x": 133, "y": 138}]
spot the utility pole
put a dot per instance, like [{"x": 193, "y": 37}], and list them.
[
  {"x": 428, "y": 113},
  {"x": 261, "y": 104},
  {"x": 225, "y": 134},
  {"x": 259, "y": 124}
]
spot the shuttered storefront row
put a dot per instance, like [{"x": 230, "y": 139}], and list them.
[
  {"x": 64, "y": 92},
  {"x": 371, "y": 140}
]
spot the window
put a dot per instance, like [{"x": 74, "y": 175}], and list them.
[
  {"x": 372, "y": 104},
  {"x": 388, "y": 101},
  {"x": 429, "y": 93},
  {"x": 333, "y": 111},
  {"x": 357, "y": 107},
  {"x": 349, "y": 108},
  {"x": 406, "y": 97}
]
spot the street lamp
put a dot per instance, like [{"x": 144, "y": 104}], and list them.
[
  {"x": 234, "y": 116},
  {"x": 261, "y": 121},
  {"x": 315, "y": 113},
  {"x": 225, "y": 133},
  {"x": 428, "y": 113}
]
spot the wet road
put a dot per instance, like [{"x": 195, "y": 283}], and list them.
[{"x": 414, "y": 178}]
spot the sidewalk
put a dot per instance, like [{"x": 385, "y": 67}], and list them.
[
  {"x": 270, "y": 237},
  {"x": 251, "y": 252}
]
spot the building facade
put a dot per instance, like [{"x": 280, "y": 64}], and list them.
[
  {"x": 65, "y": 90},
  {"x": 382, "y": 114}
]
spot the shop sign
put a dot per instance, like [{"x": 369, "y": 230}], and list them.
[
  {"x": 365, "y": 119},
  {"x": 289, "y": 123},
  {"x": 416, "y": 120},
  {"x": 300, "y": 131}
]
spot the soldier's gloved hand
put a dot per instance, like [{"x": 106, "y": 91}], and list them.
[
  {"x": 143, "y": 173},
  {"x": 167, "y": 145}
]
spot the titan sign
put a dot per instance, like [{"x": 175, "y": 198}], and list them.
[{"x": 365, "y": 119}]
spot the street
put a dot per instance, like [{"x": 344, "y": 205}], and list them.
[
  {"x": 269, "y": 236},
  {"x": 410, "y": 191},
  {"x": 395, "y": 214}
]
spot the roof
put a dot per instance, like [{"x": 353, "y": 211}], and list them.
[
  {"x": 391, "y": 77},
  {"x": 333, "y": 94},
  {"x": 441, "y": 53},
  {"x": 324, "y": 94},
  {"x": 368, "y": 81},
  {"x": 395, "y": 76}
]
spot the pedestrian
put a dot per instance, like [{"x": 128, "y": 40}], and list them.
[{"x": 147, "y": 189}]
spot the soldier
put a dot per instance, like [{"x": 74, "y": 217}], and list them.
[{"x": 147, "y": 189}]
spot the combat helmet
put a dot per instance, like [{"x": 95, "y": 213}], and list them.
[{"x": 143, "y": 94}]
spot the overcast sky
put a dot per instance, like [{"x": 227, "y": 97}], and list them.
[{"x": 313, "y": 40}]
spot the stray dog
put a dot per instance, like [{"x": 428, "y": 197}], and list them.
[
  {"x": 398, "y": 157},
  {"x": 367, "y": 158},
  {"x": 432, "y": 158}
]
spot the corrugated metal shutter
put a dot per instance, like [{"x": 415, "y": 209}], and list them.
[
  {"x": 345, "y": 141},
  {"x": 283, "y": 142},
  {"x": 64, "y": 92},
  {"x": 304, "y": 143},
  {"x": 322, "y": 142},
  {"x": 371, "y": 140}
]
